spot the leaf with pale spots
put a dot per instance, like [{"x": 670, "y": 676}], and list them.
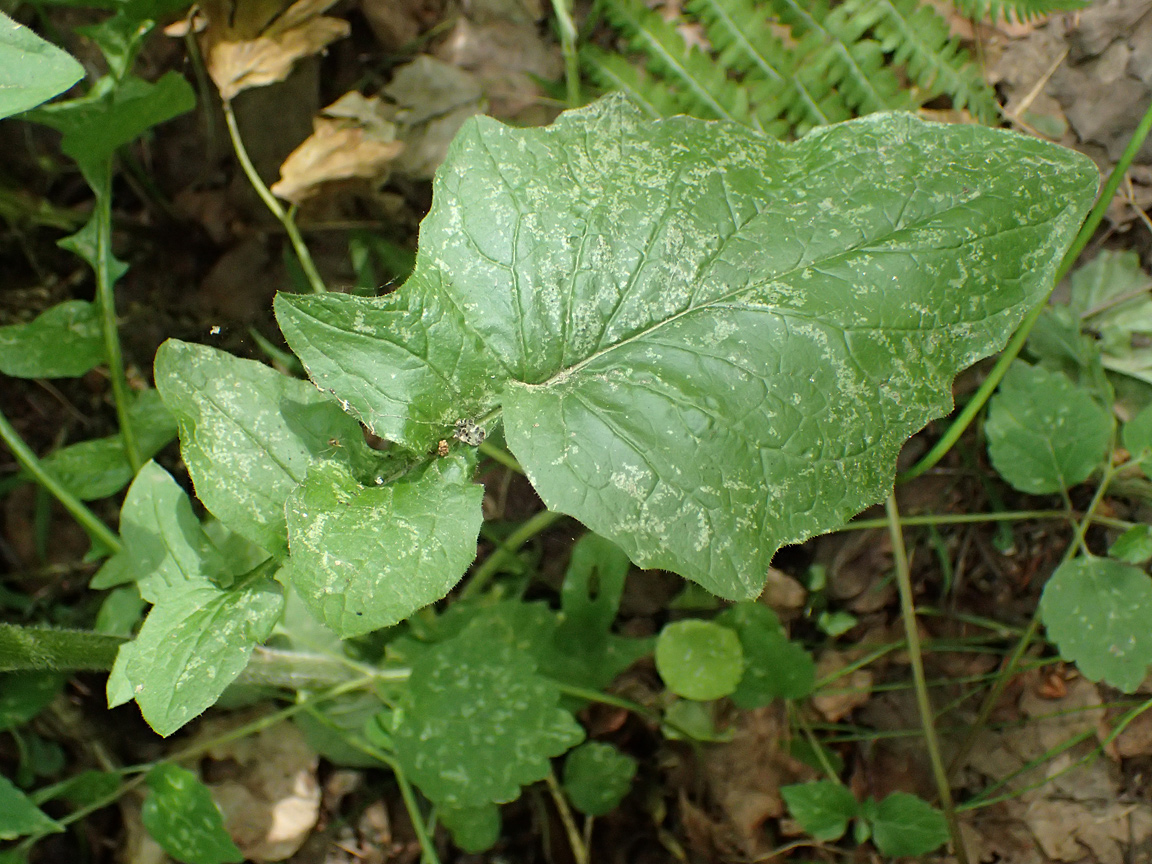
[
  {"x": 704, "y": 343},
  {"x": 181, "y": 816},
  {"x": 1096, "y": 611},
  {"x": 248, "y": 434},
  {"x": 198, "y": 635},
  {"x": 365, "y": 557},
  {"x": 478, "y": 722},
  {"x": 1045, "y": 434}
]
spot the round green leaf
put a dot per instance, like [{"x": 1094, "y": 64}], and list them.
[
  {"x": 1096, "y": 611},
  {"x": 1045, "y": 434},
  {"x": 699, "y": 659},
  {"x": 181, "y": 816},
  {"x": 704, "y": 343},
  {"x": 822, "y": 808},
  {"x": 597, "y": 776},
  {"x": 903, "y": 824}
]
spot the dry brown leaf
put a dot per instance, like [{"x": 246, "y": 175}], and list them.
[
  {"x": 253, "y": 43},
  {"x": 846, "y": 693},
  {"x": 272, "y": 801},
  {"x": 358, "y": 142}
]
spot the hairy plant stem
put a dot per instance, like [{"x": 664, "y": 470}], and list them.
[
  {"x": 30, "y": 463},
  {"x": 1011, "y": 667},
  {"x": 282, "y": 215},
  {"x": 575, "y": 842},
  {"x": 488, "y": 568},
  {"x": 980, "y": 398},
  {"x": 121, "y": 393},
  {"x": 927, "y": 720}
]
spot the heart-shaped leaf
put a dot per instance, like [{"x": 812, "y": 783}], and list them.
[{"x": 704, "y": 343}]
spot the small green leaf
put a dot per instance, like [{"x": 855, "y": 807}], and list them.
[
  {"x": 478, "y": 722},
  {"x": 120, "y": 612},
  {"x": 31, "y": 70},
  {"x": 592, "y": 588},
  {"x": 181, "y": 816},
  {"x": 687, "y": 720},
  {"x": 774, "y": 666},
  {"x": 62, "y": 342},
  {"x": 88, "y": 787},
  {"x": 23, "y": 695},
  {"x": 96, "y": 126},
  {"x": 822, "y": 808},
  {"x": 699, "y": 659},
  {"x": 1134, "y": 546},
  {"x": 99, "y": 468},
  {"x": 1096, "y": 611},
  {"x": 474, "y": 829},
  {"x": 248, "y": 435},
  {"x": 1137, "y": 435},
  {"x": 195, "y": 641},
  {"x": 19, "y": 816},
  {"x": 1045, "y": 434},
  {"x": 903, "y": 824},
  {"x": 597, "y": 776},
  {"x": 368, "y": 557}
]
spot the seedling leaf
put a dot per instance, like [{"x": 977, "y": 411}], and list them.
[
  {"x": 1134, "y": 546},
  {"x": 704, "y": 344},
  {"x": 478, "y": 722},
  {"x": 597, "y": 776},
  {"x": 1045, "y": 434},
  {"x": 903, "y": 824},
  {"x": 1096, "y": 611},
  {"x": 31, "y": 70},
  {"x": 699, "y": 659},
  {"x": 822, "y": 808},
  {"x": 19, "y": 816},
  {"x": 368, "y": 557},
  {"x": 23, "y": 695},
  {"x": 181, "y": 816}
]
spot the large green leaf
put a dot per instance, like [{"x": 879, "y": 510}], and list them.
[
  {"x": 31, "y": 70},
  {"x": 181, "y": 816},
  {"x": 704, "y": 343},
  {"x": 365, "y": 557}
]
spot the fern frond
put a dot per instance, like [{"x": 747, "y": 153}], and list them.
[
  {"x": 703, "y": 87},
  {"x": 612, "y": 72},
  {"x": 1018, "y": 10},
  {"x": 855, "y": 67},
  {"x": 917, "y": 37},
  {"x": 739, "y": 33}
]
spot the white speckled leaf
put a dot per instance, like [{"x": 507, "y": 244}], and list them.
[
  {"x": 195, "y": 641},
  {"x": 1096, "y": 611},
  {"x": 181, "y": 816},
  {"x": 1045, "y": 434},
  {"x": 478, "y": 722},
  {"x": 704, "y": 343},
  {"x": 247, "y": 434},
  {"x": 367, "y": 557}
]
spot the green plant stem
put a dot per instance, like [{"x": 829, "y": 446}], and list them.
[
  {"x": 579, "y": 850},
  {"x": 282, "y": 216},
  {"x": 428, "y": 849},
  {"x": 488, "y": 568},
  {"x": 1095, "y": 216},
  {"x": 28, "y": 461},
  {"x": 912, "y": 635},
  {"x": 500, "y": 455},
  {"x": 567, "y": 28},
  {"x": 106, "y": 297},
  {"x": 1025, "y": 641}
]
